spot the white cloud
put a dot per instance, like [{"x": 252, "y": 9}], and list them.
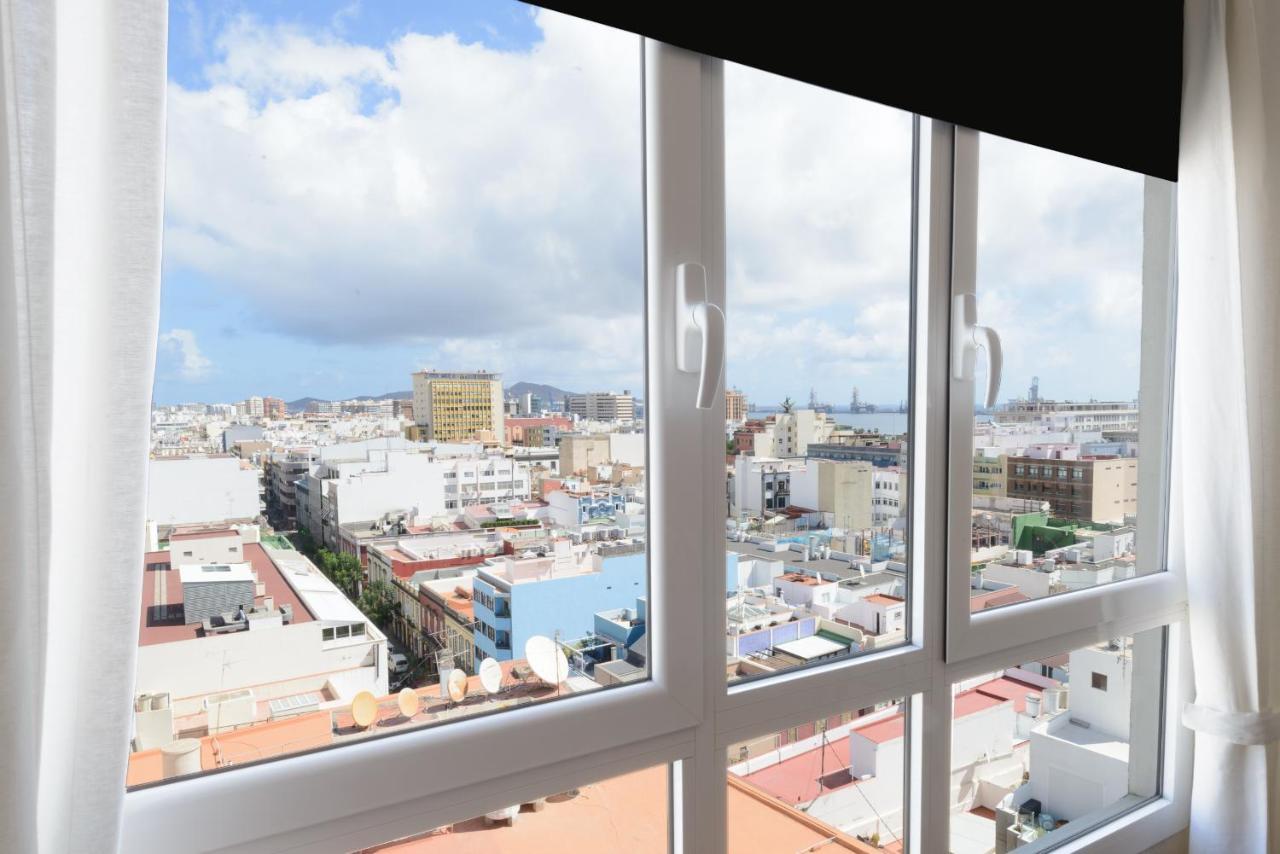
[
  {"x": 483, "y": 207},
  {"x": 181, "y": 347}
]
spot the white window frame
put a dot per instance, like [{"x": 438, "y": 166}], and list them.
[
  {"x": 686, "y": 715},
  {"x": 1159, "y": 591}
]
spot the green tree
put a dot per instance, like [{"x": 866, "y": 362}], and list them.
[
  {"x": 377, "y": 603},
  {"x": 788, "y": 404},
  {"x": 348, "y": 573}
]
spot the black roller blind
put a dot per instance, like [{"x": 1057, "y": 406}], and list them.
[{"x": 1101, "y": 81}]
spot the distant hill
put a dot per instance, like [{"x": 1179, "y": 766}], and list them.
[
  {"x": 300, "y": 405},
  {"x": 548, "y": 393}
]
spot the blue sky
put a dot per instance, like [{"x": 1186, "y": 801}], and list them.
[{"x": 358, "y": 190}]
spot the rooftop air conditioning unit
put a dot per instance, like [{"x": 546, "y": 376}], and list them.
[{"x": 229, "y": 709}]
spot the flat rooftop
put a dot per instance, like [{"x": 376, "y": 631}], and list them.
[
  {"x": 161, "y": 618},
  {"x": 795, "y": 561},
  {"x": 631, "y": 813}
]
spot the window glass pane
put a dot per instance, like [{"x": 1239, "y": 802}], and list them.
[
  {"x": 1056, "y": 745},
  {"x": 626, "y": 813},
  {"x": 437, "y": 200},
  {"x": 818, "y": 196},
  {"x": 1057, "y": 461},
  {"x": 835, "y": 782}
]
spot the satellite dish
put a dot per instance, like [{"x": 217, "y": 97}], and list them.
[
  {"x": 364, "y": 708},
  {"x": 408, "y": 702},
  {"x": 491, "y": 675},
  {"x": 457, "y": 685},
  {"x": 546, "y": 659}
]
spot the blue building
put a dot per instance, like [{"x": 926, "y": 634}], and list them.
[{"x": 517, "y": 598}]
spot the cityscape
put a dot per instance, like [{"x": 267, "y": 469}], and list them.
[
  {"x": 304, "y": 556},
  {"x": 446, "y": 199}
]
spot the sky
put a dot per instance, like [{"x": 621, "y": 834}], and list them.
[{"x": 358, "y": 190}]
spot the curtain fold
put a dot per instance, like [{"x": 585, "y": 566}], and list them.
[
  {"x": 81, "y": 188},
  {"x": 1229, "y": 413}
]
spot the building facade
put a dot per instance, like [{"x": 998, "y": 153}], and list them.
[
  {"x": 1095, "y": 489},
  {"x": 455, "y": 406},
  {"x": 602, "y": 406}
]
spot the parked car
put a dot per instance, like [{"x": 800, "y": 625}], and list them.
[{"x": 398, "y": 661}]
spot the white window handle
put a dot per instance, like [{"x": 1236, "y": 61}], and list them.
[
  {"x": 699, "y": 329},
  {"x": 966, "y": 337}
]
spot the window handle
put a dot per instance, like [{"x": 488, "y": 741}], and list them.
[
  {"x": 699, "y": 332},
  {"x": 966, "y": 337}
]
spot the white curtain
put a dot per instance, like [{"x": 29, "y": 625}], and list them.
[
  {"x": 1228, "y": 396},
  {"x": 81, "y": 181}
]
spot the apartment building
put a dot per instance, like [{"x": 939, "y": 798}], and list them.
[
  {"x": 557, "y": 594},
  {"x": 602, "y": 406},
  {"x": 1092, "y": 489},
  {"x": 457, "y": 406},
  {"x": 258, "y": 636},
  {"x": 989, "y": 473},
  {"x": 194, "y": 490},
  {"x": 1071, "y": 416},
  {"x": 735, "y": 406}
]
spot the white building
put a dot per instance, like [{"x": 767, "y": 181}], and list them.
[
  {"x": 200, "y": 490},
  {"x": 602, "y": 406},
  {"x": 301, "y": 645},
  {"x": 418, "y": 483}
]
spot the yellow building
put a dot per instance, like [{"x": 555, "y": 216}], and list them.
[
  {"x": 989, "y": 475},
  {"x": 452, "y": 406},
  {"x": 735, "y": 406}
]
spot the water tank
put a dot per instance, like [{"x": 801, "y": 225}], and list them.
[
  {"x": 1033, "y": 705},
  {"x": 180, "y": 757}
]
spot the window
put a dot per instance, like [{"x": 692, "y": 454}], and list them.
[
  {"x": 772, "y": 593},
  {"x": 1099, "y": 681}
]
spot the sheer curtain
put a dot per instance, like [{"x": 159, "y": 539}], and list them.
[
  {"x": 81, "y": 178},
  {"x": 1229, "y": 414}
]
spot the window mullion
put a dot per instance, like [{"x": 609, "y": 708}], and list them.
[{"x": 929, "y": 757}]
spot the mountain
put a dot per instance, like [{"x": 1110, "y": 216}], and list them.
[
  {"x": 300, "y": 405},
  {"x": 548, "y": 393}
]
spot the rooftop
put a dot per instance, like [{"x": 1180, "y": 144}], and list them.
[
  {"x": 625, "y": 813},
  {"x": 161, "y": 617},
  {"x": 335, "y": 726}
]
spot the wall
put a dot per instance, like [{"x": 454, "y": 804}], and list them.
[
  {"x": 204, "y": 665},
  {"x": 565, "y": 604},
  {"x": 210, "y": 489},
  {"x": 206, "y": 550},
  {"x": 1071, "y": 780}
]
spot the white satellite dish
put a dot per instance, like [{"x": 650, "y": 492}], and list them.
[
  {"x": 491, "y": 675},
  {"x": 457, "y": 685},
  {"x": 408, "y": 701},
  {"x": 546, "y": 659}
]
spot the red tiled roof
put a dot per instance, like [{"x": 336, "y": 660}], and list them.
[
  {"x": 1007, "y": 688},
  {"x": 996, "y": 598},
  {"x": 885, "y": 730},
  {"x": 973, "y": 701}
]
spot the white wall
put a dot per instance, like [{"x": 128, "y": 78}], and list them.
[
  {"x": 190, "y": 669},
  {"x": 1071, "y": 780},
  {"x": 1031, "y": 582},
  {"x": 206, "y": 550},
  {"x": 200, "y": 490},
  {"x": 627, "y": 448},
  {"x": 1107, "y": 710}
]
